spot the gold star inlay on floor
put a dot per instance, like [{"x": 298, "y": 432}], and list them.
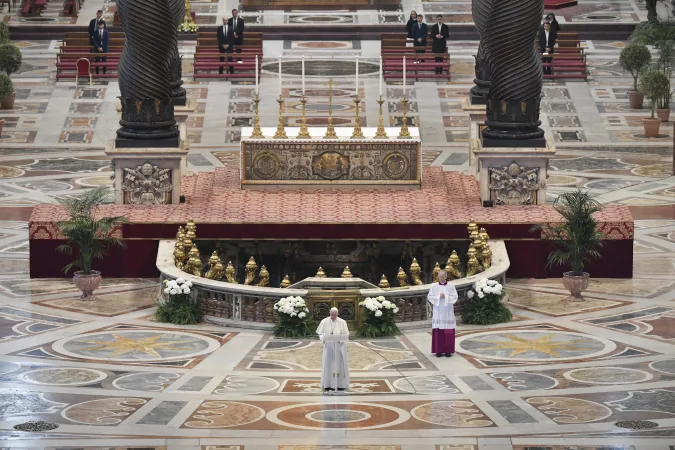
[
  {"x": 122, "y": 345},
  {"x": 519, "y": 345}
]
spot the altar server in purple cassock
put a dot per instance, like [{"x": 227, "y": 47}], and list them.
[{"x": 443, "y": 297}]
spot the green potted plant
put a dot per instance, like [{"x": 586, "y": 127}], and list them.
[
  {"x": 4, "y": 33},
  {"x": 178, "y": 306},
  {"x": 89, "y": 234},
  {"x": 577, "y": 239},
  {"x": 665, "y": 64},
  {"x": 635, "y": 58},
  {"x": 379, "y": 318},
  {"x": 6, "y": 92},
  {"x": 10, "y": 58},
  {"x": 654, "y": 84}
]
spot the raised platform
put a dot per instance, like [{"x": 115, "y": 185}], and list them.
[{"x": 440, "y": 209}]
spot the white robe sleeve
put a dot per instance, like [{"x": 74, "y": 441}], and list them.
[
  {"x": 451, "y": 296},
  {"x": 433, "y": 296},
  {"x": 320, "y": 330}
]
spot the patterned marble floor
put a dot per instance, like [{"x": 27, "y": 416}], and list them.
[{"x": 559, "y": 376}]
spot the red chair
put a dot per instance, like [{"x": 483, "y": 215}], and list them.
[{"x": 83, "y": 69}]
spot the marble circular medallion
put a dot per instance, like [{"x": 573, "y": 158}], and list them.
[
  {"x": 10, "y": 172},
  {"x": 224, "y": 414},
  {"x": 145, "y": 381},
  {"x": 525, "y": 381},
  {"x": 664, "y": 366},
  {"x": 8, "y": 367},
  {"x": 421, "y": 384},
  {"x": 105, "y": 411},
  {"x": 63, "y": 376},
  {"x": 136, "y": 345},
  {"x": 534, "y": 345},
  {"x": 354, "y": 416},
  {"x": 249, "y": 385},
  {"x": 457, "y": 413},
  {"x": 570, "y": 410},
  {"x": 608, "y": 375}
]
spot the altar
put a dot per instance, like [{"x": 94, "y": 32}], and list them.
[{"x": 340, "y": 160}]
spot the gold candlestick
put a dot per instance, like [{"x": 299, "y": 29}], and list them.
[
  {"x": 404, "y": 133},
  {"x": 281, "y": 132},
  {"x": 257, "y": 132},
  {"x": 304, "y": 132},
  {"x": 357, "y": 133},
  {"x": 330, "y": 131},
  {"x": 381, "y": 133}
]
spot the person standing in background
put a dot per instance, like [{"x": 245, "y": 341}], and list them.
[
  {"x": 225, "y": 37},
  {"x": 237, "y": 24},
  {"x": 443, "y": 297},
  {"x": 439, "y": 43},
  {"x": 411, "y": 22},
  {"x": 93, "y": 26},
  {"x": 100, "y": 39},
  {"x": 420, "y": 31}
]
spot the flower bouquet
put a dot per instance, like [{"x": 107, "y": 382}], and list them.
[
  {"x": 177, "y": 306},
  {"x": 292, "y": 318},
  {"x": 484, "y": 305},
  {"x": 379, "y": 318},
  {"x": 188, "y": 27}
]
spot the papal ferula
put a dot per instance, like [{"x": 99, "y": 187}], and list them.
[{"x": 334, "y": 368}]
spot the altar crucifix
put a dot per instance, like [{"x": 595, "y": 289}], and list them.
[{"x": 330, "y": 131}]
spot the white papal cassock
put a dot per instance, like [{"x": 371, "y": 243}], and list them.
[{"x": 334, "y": 368}]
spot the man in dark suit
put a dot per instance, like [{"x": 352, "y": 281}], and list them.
[
  {"x": 439, "y": 36},
  {"x": 237, "y": 24},
  {"x": 225, "y": 36},
  {"x": 100, "y": 39},
  {"x": 547, "y": 40},
  {"x": 93, "y": 26},
  {"x": 420, "y": 31}
]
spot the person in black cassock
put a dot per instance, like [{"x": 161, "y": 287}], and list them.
[
  {"x": 547, "y": 40},
  {"x": 411, "y": 21},
  {"x": 225, "y": 37},
  {"x": 439, "y": 36}
]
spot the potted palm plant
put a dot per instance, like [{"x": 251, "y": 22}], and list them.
[
  {"x": 6, "y": 92},
  {"x": 635, "y": 58},
  {"x": 577, "y": 239},
  {"x": 654, "y": 84},
  {"x": 88, "y": 233}
]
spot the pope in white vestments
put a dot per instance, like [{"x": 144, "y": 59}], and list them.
[
  {"x": 443, "y": 297},
  {"x": 334, "y": 367}
]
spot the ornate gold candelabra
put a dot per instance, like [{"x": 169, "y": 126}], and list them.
[
  {"x": 330, "y": 131},
  {"x": 304, "y": 132},
  {"x": 281, "y": 131},
  {"x": 187, "y": 19},
  {"x": 357, "y": 133},
  {"x": 404, "y": 133},
  {"x": 380, "y": 133},
  {"x": 257, "y": 132}
]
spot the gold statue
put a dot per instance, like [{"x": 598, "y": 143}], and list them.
[
  {"x": 471, "y": 252},
  {"x": 230, "y": 273},
  {"x": 478, "y": 245},
  {"x": 215, "y": 272},
  {"x": 486, "y": 257},
  {"x": 194, "y": 252},
  {"x": 191, "y": 230},
  {"x": 187, "y": 244},
  {"x": 213, "y": 259},
  {"x": 402, "y": 277},
  {"x": 434, "y": 273},
  {"x": 180, "y": 234},
  {"x": 452, "y": 266},
  {"x": 483, "y": 235},
  {"x": 251, "y": 267},
  {"x": 320, "y": 273},
  {"x": 416, "y": 273},
  {"x": 473, "y": 235},
  {"x": 264, "y": 277},
  {"x": 473, "y": 266},
  {"x": 384, "y": 283},
  {"x": 178, "y": 257},
  {"x": 347, "y": 273},
  {"x": 286, "y": 282},
  {"x": 472, "y": 226}
]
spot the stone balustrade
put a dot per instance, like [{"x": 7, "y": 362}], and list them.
[{"x": 253, "y": 306}]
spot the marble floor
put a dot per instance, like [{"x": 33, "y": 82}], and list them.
[{"x": 559, "y": 376}]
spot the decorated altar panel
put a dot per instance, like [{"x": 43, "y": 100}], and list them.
[{"x": 340, "y": 160}]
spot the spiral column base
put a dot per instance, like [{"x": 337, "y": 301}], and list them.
[
  {"x": 147, "y": 123},
  {"x": 513, "y": 123},
  {"x": 175, "y": 82}
]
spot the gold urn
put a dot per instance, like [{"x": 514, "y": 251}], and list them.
[
  {"x": 483, "y": 234},
  {"x": 178, "y": 257},
  {"x": 473, "y": 266},
  {"x": 251, "y": 268},
  {"x": 486, "y": 257},
  {"x": 416, "y": 272},
  {"x": 434, "y": 273},
  {"x": 230, "y": 273},
  {"x": 214, "y": 259},
  {"x": 347, "y": 273},
  {"x": 286, "y": 282},
  {"x": 320, "y": 273},
  {"x": 402, "y": 277},
  {"x": 472, "y": 226},
  {"x": 263, "y": 277},
  {"x": 384, "y": 283},
  {"x": 191, "y": 226},
  {"x": 452, "y": 266},
  {"x": 180, "y": 234},
  {"x": 473, "y": 235}
]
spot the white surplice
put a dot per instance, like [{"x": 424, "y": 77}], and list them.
[
  {"x": 444, "y": 309},
  {"x": 334, "y": 367}
]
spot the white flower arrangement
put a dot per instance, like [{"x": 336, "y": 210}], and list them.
[
  {"x": 485, "y": 287},
  {"x": 178, "y": 286},
  {"x": 188, "y": 28},
  {"x": 377, "y": 304},
  {"x": 292, "y": 306}
]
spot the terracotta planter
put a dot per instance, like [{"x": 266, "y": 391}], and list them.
[
  {"x": 663, "y": 114},
  {"x": 87, "y": 283},
  {"x": 2, "y": 123},
  {"x": 635, "y": 99},
  {"x": 576, "y": 284},
  {"x": 651, "y": 127},
  {"x": 8, "y": 102}
]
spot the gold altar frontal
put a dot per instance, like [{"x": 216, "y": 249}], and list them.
[{"x": 335, "y": 161}]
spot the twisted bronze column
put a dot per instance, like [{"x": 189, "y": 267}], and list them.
[
  {"x": 517, "y": 76},
  {"x": 175, "y": 76},
  {"x": 480, "y": 10},
  {"x": 144, "y": 67}
]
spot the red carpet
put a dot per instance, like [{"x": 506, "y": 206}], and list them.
[{"x": 557, "y": 4}]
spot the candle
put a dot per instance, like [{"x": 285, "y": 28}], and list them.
[
  {"x": 257, "y": 88},
  {"x": 381, "y": 76},
  {"x": 404, "y": 75},
  {"x": 303, "y": 75},
  {"x": 280, "y": 77},
  {"x": 357, "y": 77}
]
